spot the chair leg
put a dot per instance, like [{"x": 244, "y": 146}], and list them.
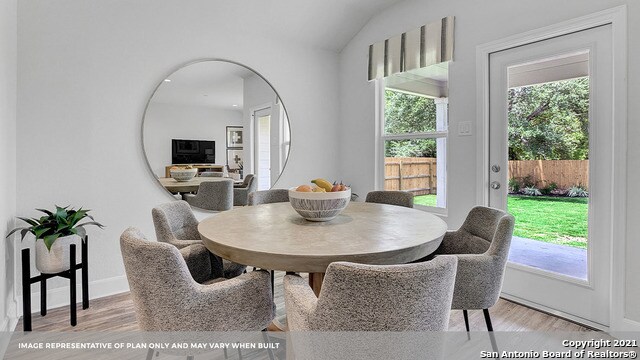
[
  {"x": 225, "y": 353},
  {"x": 465, "y": 314},
  {"x": 149, "y": 354},
  {"x": 273, "y": 283},
  {"x": 487, "y": 319},
  {"x": 492, "y": 337}
]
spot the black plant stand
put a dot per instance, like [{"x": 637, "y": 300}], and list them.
[{"x": 70, "y": 274}]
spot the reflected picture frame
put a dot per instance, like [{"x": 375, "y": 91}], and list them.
[
  {"x": 235, "y": 137},
  {"x": 235, "y": 159}
]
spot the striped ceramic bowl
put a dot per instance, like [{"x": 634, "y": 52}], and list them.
[{"x": 319, "y": 206}]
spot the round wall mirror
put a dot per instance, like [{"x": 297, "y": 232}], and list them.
[{"x": 215, "y": 121}]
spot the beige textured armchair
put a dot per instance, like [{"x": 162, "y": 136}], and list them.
[
  {"x": 482, "y": 247},
  {"x": 241, "y": 192},
  {"x": 398, "y": 198},
  {"x": 167, "y": 298},
  {"x": 357, "y": 297},
  {"x": 175, "y": 224}
]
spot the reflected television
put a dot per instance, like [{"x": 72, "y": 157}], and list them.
[{"x": 193, "y": 151}]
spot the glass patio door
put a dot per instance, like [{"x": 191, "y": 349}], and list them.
[{"x": 550, "y": 166}]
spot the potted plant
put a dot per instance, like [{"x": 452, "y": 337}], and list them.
[{"x": 54, "y": 232}]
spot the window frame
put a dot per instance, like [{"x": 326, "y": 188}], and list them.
[{"x": 382, "y": 137}]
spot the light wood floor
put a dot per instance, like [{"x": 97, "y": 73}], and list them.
[{"x": 116, "y": 313}]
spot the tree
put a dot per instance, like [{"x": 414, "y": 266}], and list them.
[
  {"x": 406, "y": 113},
  {"x": 549, "y": 121}
]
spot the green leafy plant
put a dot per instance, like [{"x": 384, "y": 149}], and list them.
[
  {"x": 531, "y": 191},
  {"x": 514, "y": 185},
  {"x": 549, "y": 188},
  {"x": 577, "y": 191},
  {"x": 64, "y": 221},
  {"x": 528, "y": 182}
]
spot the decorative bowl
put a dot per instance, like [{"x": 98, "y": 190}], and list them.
[
  {"x": 319, "y": 206},
  {"x": 182, "y": 175}
]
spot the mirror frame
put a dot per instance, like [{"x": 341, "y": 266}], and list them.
[{"x": 193, "y": 62}]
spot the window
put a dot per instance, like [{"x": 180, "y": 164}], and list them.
[{"x": 414, "y": 135}]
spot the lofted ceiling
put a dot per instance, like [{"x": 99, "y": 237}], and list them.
[
  {"x": 328, "y": 24},
  {"x": 213, "y": 84}
]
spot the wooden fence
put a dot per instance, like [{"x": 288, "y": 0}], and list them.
[
  {"x": 418, "y": 175},
  {"x": 565, "y": 173},
  {"x": 413, "y": 174}
]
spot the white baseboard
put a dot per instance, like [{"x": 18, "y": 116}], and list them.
[
  {"x": 60, "y": 296},
  {"x": 6, "y": 324},
  {"x": 628, "y": 325},
  {"x": 554, "y": 312}
]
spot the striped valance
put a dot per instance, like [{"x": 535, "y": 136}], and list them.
[{"x": 427, "y": 45}]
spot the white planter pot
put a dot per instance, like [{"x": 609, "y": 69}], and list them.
[{"x": 58, "y": 259}]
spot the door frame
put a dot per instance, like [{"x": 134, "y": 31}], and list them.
[
  {"x": 617, "y": 17},
  {"x": 251, "y": 147}
]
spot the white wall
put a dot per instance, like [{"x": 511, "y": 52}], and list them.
[
  {"x": 7, "y": 157},
  {"x": 476, "y": 22},
  {"x": 88, "y": 67},
  {"x": 164, "y": 122}
]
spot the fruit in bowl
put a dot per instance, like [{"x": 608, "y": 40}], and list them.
[
  {"x": 183, "y": 173},
  {"x": 317, "y": 203}
]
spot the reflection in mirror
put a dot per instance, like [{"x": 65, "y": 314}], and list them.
[{"x": 215, "y": 120}]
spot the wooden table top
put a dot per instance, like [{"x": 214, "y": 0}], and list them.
[
  {"x": 188, "y": 186},
  {"x": 275, "y": 237}
]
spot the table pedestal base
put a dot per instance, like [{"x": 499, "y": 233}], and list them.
[{"x": 315, "y": 281}]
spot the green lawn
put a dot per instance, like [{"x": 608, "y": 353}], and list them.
[
  {"x": 426, "y": 200},
  {"x": 558, "y": 220}
]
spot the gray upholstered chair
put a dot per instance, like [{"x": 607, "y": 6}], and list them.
[
  {"x": 204, "y": 268},
  {"x": 213, "y": 195},
  {"x": 398, "y": 198},
  {"x": 212, "y": 174},
  {"x": 356, "y": 297},
  {"x": 268, "y": 196},
  {"x": 482, "y": 247},
  {"x": 245, "y": 182},
  {"x": 167, "y": 298},
  {"x": 241, "y": 193},
  {"x": 175, "y": 224}
]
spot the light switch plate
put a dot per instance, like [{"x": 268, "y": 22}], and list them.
[{"x": 464, "y": 128}]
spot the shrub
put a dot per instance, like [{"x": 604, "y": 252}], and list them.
[
  {"x": 528, "y": 182},
  {"x": 547, "y": 190},
  {"x": 577, "y": 191},
  {"x": 514, "y": 185},
  {"x": 531, "y": 191}
]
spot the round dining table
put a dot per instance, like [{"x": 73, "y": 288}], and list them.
[{"x": 275, "y": 237}]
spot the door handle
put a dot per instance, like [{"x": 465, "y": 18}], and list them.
[{"x": 495, "y": 185}]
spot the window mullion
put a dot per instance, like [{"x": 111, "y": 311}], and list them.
[{"x": 410, "y": 136}]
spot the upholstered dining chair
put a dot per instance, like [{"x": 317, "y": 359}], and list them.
[
  {"x": 167, "y": 298},
  {"x": 398, "y": 198},
  {"x": 482, "y": 247},
  {"x": 247, "y": 179},
  {"x": 175, "y": 224},
  {"x": 213, "y": 195},
  {"x": 268, "y": 196},
  {"x": 357, "y": 297},
  {"x": 241, "y": 193}
]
